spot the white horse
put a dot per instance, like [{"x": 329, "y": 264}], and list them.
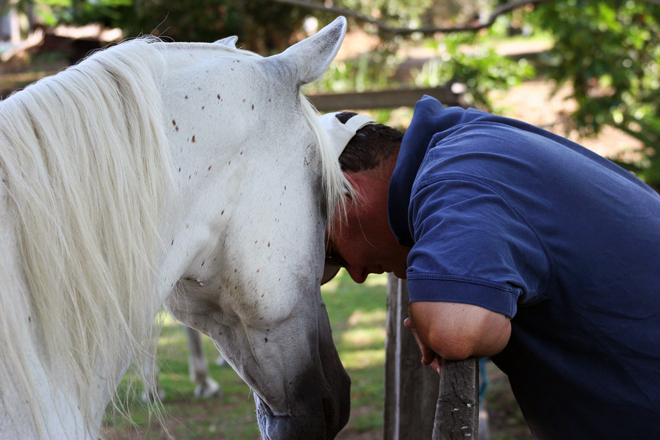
[{"x": 194, "y": 175}]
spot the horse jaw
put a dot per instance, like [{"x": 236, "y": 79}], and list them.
[{"x": 301, "y": 389}]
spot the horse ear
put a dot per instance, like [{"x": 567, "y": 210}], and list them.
[
  {"x": 229, "y": 41},
  {"x": 312, "y": 56}
]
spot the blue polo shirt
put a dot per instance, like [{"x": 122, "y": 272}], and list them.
[{"x": 507, "y": 216}]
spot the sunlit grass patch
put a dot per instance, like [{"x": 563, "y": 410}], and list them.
[
  {"x": 360, "y": 359},
  {"x": 167, "y": 320},
  {"x": 373, "y": 317},
  {"x": 376, "y": 280},
  {"x": 364, "y": 337},
  {"x": 167, "y": 340}
]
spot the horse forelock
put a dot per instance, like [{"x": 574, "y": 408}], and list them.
[{"x": 84, "y": 162}]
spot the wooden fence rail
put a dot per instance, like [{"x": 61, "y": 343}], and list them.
[{"x": 383, "y": 99}]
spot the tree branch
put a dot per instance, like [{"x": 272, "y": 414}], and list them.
[{"x": 426, "y": 30}]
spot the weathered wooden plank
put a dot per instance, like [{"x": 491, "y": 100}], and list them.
[
  {"x": 457, "y": 410},
  {"x": 411, "y": 389},
  {"x": 383, "y": 99}
]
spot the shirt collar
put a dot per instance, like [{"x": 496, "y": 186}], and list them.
[{"x": 429, "y": 118}]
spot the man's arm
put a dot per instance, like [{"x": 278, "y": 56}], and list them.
[{"x": 458, "y": 331}]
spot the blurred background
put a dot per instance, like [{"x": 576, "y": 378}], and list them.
[{"x": 587, "y": 70}]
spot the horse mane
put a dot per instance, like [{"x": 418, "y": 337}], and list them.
[{"x": 83, "y": 159}]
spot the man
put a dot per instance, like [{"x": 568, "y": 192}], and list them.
[{"x": 519, "y": 245}]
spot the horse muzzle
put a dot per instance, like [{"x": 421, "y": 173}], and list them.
[{"x": 320, "y": 418}]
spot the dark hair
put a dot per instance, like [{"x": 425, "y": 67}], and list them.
[{"x": 371, "y": 145}]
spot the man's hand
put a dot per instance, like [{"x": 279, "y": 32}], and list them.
[
  {"x": 429, "y": 357},
  {"x": 456, "y": 331}
]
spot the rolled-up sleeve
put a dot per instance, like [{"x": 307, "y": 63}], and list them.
[{"x": 473, "y": 247}]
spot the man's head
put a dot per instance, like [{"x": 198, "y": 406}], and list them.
[
  {"x": 361, "y": 241},
  {"x": 373, "y": 145}
]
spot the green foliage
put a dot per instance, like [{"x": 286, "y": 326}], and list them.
[
  {"x": 610, "y": 52},
  {"x": 398, "y": 13},
  {"x": 370, "y": 71},
  {"x": 466, "y": 58},
  {"x": 110, "y": 13},
  {"x": 261, "y": 25}
]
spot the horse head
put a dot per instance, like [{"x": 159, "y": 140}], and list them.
[{"x": 256, "y": 179}]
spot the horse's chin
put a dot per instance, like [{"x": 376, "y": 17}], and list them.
[{"x": 307, "y": 427}]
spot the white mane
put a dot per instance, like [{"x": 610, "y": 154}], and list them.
[{"x": 84, "y": 162}]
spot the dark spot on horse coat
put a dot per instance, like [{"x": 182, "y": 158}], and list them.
[
  {"x": 266, "y": 339},
  {"x": 186, "y": 96},
  {"x": 252, "y": 106},
  {"x": 179, "y": 169},
  {"x": 29, "y": 319},
  {"x": 203, "y": 263},
  {"x": 218, "y": 96},
  {"x": 223, "y": 211},
  {"x": 193, "y": 139},
  {"x": 202, "y": 107},
  {"x": 209, "y": 168},
  {"x": 173, "y": 122},
  {"x": 172, "y": 242}
]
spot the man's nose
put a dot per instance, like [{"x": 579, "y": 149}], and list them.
[{"x": 359, "y": 274}]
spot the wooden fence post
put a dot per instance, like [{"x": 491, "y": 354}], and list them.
[
  {"x": 411, "y": 389},
  {"x": 457, "y": 410},
  {"x": 420, "y": 405}
]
